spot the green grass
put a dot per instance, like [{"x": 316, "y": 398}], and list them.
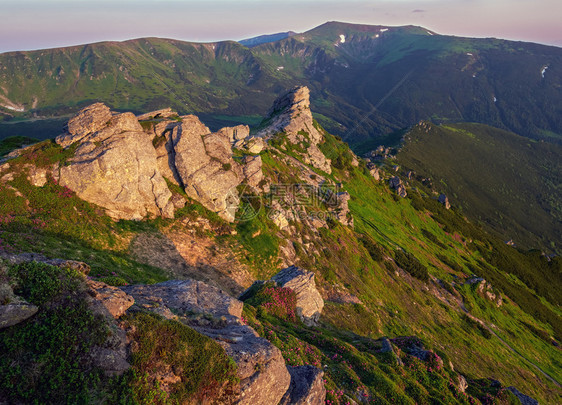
[{"x": 502, "y": 180}]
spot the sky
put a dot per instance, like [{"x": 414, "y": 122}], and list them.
[{"x": 38, "y": 24}]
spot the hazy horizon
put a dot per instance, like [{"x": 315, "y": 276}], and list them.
[{"x": 34, "y": 24}]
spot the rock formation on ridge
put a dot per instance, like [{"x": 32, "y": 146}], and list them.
[{"x": 291, "y": 115}]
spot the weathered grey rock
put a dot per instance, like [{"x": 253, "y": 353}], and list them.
[
  {"x": 264, "y": 378},
  {"x": 309, "y": 300},
  {"x": 205, "y": 166},
  {"x": 462, "y": 384},
  {"x": 342, "y": 212},
  {"x": 185, "y": 296},
  {"x": 485, "y": 289},
  {"x": 15, "y": 312},
  {"x": 78, "y": 266},
  {"x": 387, "y": 348},
  {"x": 396, "y": 184},
  {"x": 115, "y": 167},
  {"x": 254, "y": 145},
  {"x": 236, "y": 133},
  {"x": 291, "y": 115},
  {"x": 525, "y": 400},
  {"x": 165, "y": 133},
  {"x": 112, "y": 298},
  {"x": 374, "y": 171},
  {"x": 277, "y": 215},
  {"x": 252, "y": 169},
  {"x": 445, "y": 201},
  {"x": 87, "y": 121},
  {"x": 307, "y": 387},
  {"x": 412, "y": 346},
  {"x": 113, "y": 362},
  {"x": 36, "y": 175}
]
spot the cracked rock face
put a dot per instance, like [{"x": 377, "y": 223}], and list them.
[
  {"x": 114, "y": 165},
  {"x": 307, "y": 387},
  {"x": 201, "y": 162},
  {"x": 291, "y": 115},
  {"x": 309, "y": 300}
]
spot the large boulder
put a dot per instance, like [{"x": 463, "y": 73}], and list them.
[
  {"x": 309, "y": 300},
  {"x": 307, "y": 387},
  {"x": 264, "y": 377},
  {"x": 114, "y": 165},
  {"x": 185, "y": 296},
  {"x": 16, "y": 311},
  {"x": 291, "y": 116}
]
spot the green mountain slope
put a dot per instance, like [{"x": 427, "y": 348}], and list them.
[
  {"x": 507, "y": 182},
  {"x": 374, "y": 81},
  {"x": 406, "y": 270}
]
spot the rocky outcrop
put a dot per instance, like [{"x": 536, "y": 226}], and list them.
[
  {"x": 485, "y": 289},
  {"x": 374, "y": 171},
  {"x": 396, "y": 183},
  {"x": 462, "y": 384},
  {"x": 121, "y": 166},
  {"x": 87, "y": 121},
  {"x": 110, "y": 303},
  {"x": 387, "y": 348},
  {"x": 343, "y": 214},
  {"x": 114, "y": 165},
  {"x": 443, "y": 199},
  {"x": 112, "y": 298},
  {"x": 264, "y": 378},
  {"x": 309, "y": 300},
  {"x": 291, "y": 116},
  {"x": 185, "y": 296},
  {"x": 204, "y": 163},
  {"x": 235, "y": 134},
  {"x": 163, "y": 113},
  {"x": 307, "y": 387}
]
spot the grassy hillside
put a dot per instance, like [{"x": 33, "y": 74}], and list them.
[
  {"x": 508, "y": 183},
  {"x": 378, "y": 80},
  {"x": 406, "y": 262}
]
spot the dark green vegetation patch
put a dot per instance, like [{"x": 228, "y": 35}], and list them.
[{"x": 46, "y": 358}]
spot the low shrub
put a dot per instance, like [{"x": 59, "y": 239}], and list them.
[
  {"x": 409, "y": 263},
  {"x": 277, "y": 301},
  {"x": 46, "y": 358},
  {"x": 205, "y": 374}
]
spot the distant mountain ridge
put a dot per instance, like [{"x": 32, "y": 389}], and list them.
[
  {"x": 369, "y": 80},
  {"x": 263, "y": 39}
]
